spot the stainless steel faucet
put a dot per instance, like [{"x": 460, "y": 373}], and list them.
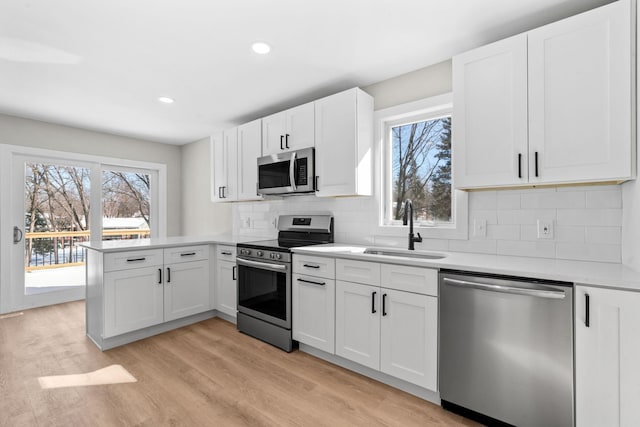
[{"x": 408, "y": 211}]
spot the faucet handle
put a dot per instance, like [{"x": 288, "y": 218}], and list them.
[{"x": 419, "y": 238}]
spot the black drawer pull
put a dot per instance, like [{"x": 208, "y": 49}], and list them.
[
  {"x": 384, "y": 304},
  {"x": 519, "y": 165},
  {"x": 159, "y": 276},
  {"x": 188, "y": 254},
  {"x": 168, "y": 275},
  {"x": 310, "y": 266},
  {"x": 226, "y": 253},
  {"x": 312, "y": 282},
  {"x": 135, "y": 259},
  {"x": 233, "y": 272},
  {"x": 586, "y": 310},
  {"x": 373, "y": 302},
  {"x": 536, "y": 165}
]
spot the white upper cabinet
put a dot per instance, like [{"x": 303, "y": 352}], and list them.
[
  {"x": 224, "y": 153},
  {"x": 343, "y": 141},
  {"x": 249, "y": 149},
  {"x": 490, "y": 114},
  {"x": 580, "y": 97},
  {"x": 288, "y": 130},
  {"x": 549, "y": 106}
]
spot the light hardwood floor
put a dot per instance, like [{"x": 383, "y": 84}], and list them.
[{"x": 207, "y": 374}]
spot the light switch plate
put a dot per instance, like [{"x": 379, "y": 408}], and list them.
[{"x": 545, "y": 229}]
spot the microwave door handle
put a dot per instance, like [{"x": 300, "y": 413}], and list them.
[{"x": 292, "y": 171}]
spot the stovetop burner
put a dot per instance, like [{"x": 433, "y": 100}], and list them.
[{"x": 296, "y": 231}]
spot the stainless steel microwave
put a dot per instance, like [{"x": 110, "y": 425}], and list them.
[{"x": 287, "y": 173}]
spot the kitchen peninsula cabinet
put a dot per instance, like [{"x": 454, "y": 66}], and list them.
[
  {"x": 549, "y": 106},
  {"x": 607, "y": 327},
  {"x": 131, "y": 292},
  {"x": 292, "y": 129}
]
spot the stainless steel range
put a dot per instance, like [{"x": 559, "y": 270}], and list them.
[{"x": 264, "y": 277}]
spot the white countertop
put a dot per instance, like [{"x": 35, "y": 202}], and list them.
[
  {"x": 165, "y": 242},
  {"x": 580, "y": 272}
]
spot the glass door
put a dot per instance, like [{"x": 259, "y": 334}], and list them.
[{"x": 51, "y": 206}]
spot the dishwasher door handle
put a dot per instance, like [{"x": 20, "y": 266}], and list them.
[{"x": 541, "y": 293}]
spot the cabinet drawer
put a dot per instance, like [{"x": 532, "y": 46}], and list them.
[
  {"x": 358, "y": 271},
  {"x": 314, "y": 266},
  {"x": 186, "y": 254},
  {"x": 410, "y": 279},
  {"x": 132, "y": 259},
  {"x": 227, "y": 253}
]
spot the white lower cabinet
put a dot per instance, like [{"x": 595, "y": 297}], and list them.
[
  {"x": 226, "y": 281},
  {"x": 139, "y": 290},
  {"x": 387, "y": 328},
  {"x": 607, "y": 327},
  {"x": 313, "y": 305},
  {"x": 358, "y": 323},
  {"x": 132, "y": 300},
  {"x": 409, "y": 337}
]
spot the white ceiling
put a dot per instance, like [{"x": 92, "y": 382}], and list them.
[{"x": 101, "y": 65}]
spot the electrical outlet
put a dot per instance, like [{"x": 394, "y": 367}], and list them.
[
  {"x": 545, "y": 229},
  {"x": 480, "y": 227},
  {"x": 246, "y": 222}
]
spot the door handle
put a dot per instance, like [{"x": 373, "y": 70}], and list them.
[
  {"x": 586, "y": 310},
  {"x": 17, "y": 234},
  {"x": 292, "y": 171},
  {"x": 519, "y": 165},
  {"x": 542, "y": 293},
  {"x": 536, "y": 162},
  {"x": 168, "y": 275},
  {"x": 373, "y": 302},
  {"x": 281, "y": 137},
  {"x": 233, "y": 272},
  {"x": 384, "y": 304},
  {"x": 286, "y": 141},
  {"x": 159, "y": 276}
]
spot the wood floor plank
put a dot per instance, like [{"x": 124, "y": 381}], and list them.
[{"x": 207, "y": 374}]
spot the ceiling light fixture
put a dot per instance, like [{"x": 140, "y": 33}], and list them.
[
  {"x": 261, "y": 48},
  {"x": 166, "y": 100}
]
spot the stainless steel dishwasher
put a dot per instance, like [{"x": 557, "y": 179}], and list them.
[{"x": 506, "y": 349}]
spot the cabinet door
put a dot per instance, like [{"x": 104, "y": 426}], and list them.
[
  {"x": 300, "y": 127},
  {"x": 344, "y": 127},
  {"x": 607, "y": 355},
  {"x": 313, "y": 304},
  {"x": 219, "y": 165},
  {"x": 580, "y": 97},
  {"x": 409, "y": 337},
  {"x": 489, "y": 121},
  {"x": 358, "y": 323},
  {"x": 227, "y": 292},
  {"x": 133, "y": 299},
  {"x": 186, "y": 290},
  {"x": 230, "y": 189},
  {"x": 274, "y": 128},
  {"x": 249, "y": 149}
]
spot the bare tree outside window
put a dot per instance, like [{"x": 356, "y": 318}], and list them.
[
  {"x": 421, "y": 169},
  {"x": 126, "y": 195}
]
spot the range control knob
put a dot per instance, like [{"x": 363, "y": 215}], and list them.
[
  {"x": 246, "y": 252},
  {"x": 278, "y": 256},
  {"x": 259, "y": 253},
  {"x": 272, "y": 255}
]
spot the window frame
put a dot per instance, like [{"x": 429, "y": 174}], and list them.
[{"x": 421, "y": 110}]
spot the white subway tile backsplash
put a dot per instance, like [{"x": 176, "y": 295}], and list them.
[
  {"x": 589, "y": 252},
  {"x": 587, "y": 222},
  {"x": 574, "y": 199},
  {"x": 604, "y": 235},
  {"x": 540, "y": 249},
  {"x": 604, "y": 199},
  {"x": 595, "y": 217}
]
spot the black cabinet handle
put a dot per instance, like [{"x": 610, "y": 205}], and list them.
[
  {"x": 188, "y": 254},
  {"x": 519, "y": 165},
  {"x": 310, "y": 266},
  {"x": 219, "y": 192},
  {"x": 286, "y": 140},
  {"x": 316, "y": 183},
  {"x": 312, "y": 282},
  {"x": 222, "y": 188},
  {"x": 586, "y": 310},
  {"x": 159, "y": 276},
  {"x": 226, "y": 253},
  {"x": 373, "y": 302},
  {"x": 135, "y": 259},
  {"x": 536, "y": 162},
  {"x": 168, "y": 275},
  {"x": 281, "y": 138},
  {"x": 384, "y": 304},
  {"x": 233, "y": 272}
]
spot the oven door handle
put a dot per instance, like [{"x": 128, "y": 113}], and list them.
[
  {"x": 292, "y": 171},
  {"x": 264, "y": 265}
]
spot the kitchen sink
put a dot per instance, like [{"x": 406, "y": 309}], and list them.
[{"x": 404, "y": 254}]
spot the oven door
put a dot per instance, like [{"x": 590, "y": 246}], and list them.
[{"x": 264, "y": 291}]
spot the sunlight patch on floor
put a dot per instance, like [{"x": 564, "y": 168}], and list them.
[{"x": 114, "y": 374}]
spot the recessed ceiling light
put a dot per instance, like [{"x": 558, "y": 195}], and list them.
[
  {"x": 166, "y": 100},
  {"x": 261, "y": 48}
]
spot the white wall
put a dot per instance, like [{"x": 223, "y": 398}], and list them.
[
  {"x": 199, "y": 215},
  {"x": 33, "y": 133}
]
